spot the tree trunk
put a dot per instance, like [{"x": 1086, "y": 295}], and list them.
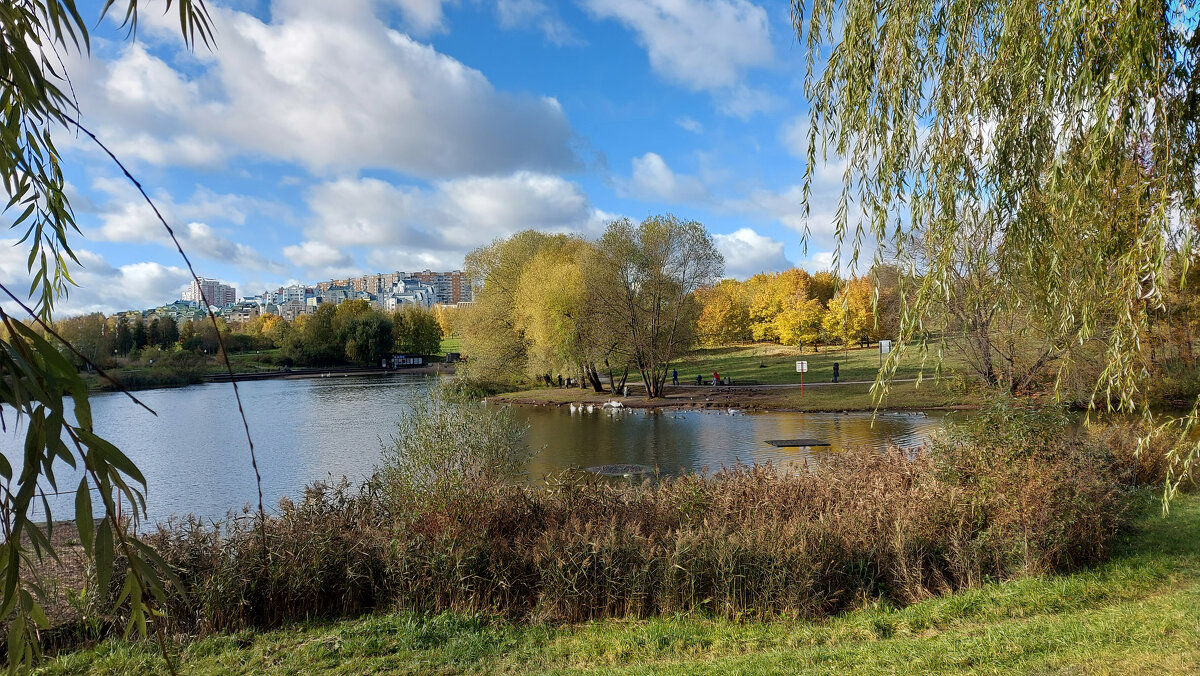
[{"x": 593, "y": 377}]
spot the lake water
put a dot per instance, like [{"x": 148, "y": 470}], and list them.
[{"x": 195, "y": 459}]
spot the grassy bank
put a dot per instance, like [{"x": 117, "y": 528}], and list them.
[
  {"x": 771, "y": 366},
  {"x": 823, "y": 397},
  {"x": 1135, "y": 613}
]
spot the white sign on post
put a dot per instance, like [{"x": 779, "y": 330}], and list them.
[
  {"x": 885, "y": 346},
  {"x": 801, "y": 367}
]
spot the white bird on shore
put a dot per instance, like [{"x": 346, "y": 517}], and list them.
[{"x": 590, "y": 408}]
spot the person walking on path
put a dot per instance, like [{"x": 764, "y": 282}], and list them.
[
  {"x": 674, "y": 377},
  {"x": 699, "y": 379},
  {"x": 835, "y": 371},
  {"x": 716, "y": 378}
]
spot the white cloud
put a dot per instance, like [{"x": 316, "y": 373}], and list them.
[
  {"x": 127, "y": 218},
  {"x": 794, "y": 136},
  {"x": 327, "y": 85},
  {"x": 654, "y": 180},
  {"x": 536, "y": 14},
  {"x": 704, "y": 45},
  {"x": 101, "y": 287},
  {"x": 690, "y": 124},
  {"x": 742, "y": 101},
  {"x": 748, "y": 253},
  {"x": 422, "y": 16},
  {"x": 321, "y": 256},
  {"x": 407, "y": 227}
]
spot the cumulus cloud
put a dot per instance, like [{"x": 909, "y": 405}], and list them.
[
  {"x": 327, "y": 85},
  {"x": 706, "y": 45},
  {"x": 654, "y": 180},
  {"x": 748, "y": 253},
  {"x": 101, "y": 286},
  {"x": 127, "y": 218},
  {"x": 407, "y": 227}
]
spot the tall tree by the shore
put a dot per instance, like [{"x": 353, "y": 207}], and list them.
[
  {"x": 416, "y": 330},
  {"x": 488, "y": 327},
  {"x": 1018, "y": 112},
  {"x": 643, "y": 279}
]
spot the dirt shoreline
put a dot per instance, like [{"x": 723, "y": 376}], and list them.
[{"x": 741, "y": 398}]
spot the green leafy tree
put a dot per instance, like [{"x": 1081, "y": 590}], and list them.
[
  {"x": 416, "y": 330},
  {"x": 643, "y": 279},
  {"x": 367, "y": 337},
  {"x": 1019, "y": 116},
  {"x": 168, "y": 334},
  {"x": 491, "y": 338},
  {"x": 318, "y": 341},
  {"x": 139, "y": 334},
  {"x": 188, "y": 339}
]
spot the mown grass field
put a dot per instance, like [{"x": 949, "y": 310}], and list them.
[
  {"x": 771, "y": 364},
  {"x": 1137, "y": 613},
  {"x": 450, "y": 344}
]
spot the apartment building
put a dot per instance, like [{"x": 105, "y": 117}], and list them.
[{"x": 205, "y": 292}]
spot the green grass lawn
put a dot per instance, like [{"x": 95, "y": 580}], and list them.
[
  {"x": 772, "y": 364},
  {"x": 1137, "y": 613},
  {"x": 451, "y": 344}
]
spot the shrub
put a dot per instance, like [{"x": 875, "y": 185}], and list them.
[
  {"x": 1143, "y": 458},
  {"x": 442, "y": 527},
  {"x": 442, "y": 443},
  {"x": 467, "y": 389}
]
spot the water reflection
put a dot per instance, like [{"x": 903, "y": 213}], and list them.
[
  {"x": 194, "y": 456},
  {"x": 674, "y": 440}
]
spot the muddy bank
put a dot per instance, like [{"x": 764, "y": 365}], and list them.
[{"x": 844, "y": 397}]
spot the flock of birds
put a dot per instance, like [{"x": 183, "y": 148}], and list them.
[{"x": 616, "y": 405}]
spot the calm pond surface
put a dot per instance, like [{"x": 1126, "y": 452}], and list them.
[{"x": 195, "y": 459}]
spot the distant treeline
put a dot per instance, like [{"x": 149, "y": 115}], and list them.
[
  {"x": 795, "y": 307},
  {"x": 350, "y": 333}
]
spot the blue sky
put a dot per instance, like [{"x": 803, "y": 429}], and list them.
[{"x": 323, "y": 139}]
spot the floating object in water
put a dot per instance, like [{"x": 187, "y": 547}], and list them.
[
  {"x": 613, "y": 404},
  {"x": 590, "y": 408},
  {"x": 572, "y": 407},
  {"x": 796, "y": 443},
  {"x": 735, "y": 411},
  {"x": 621, "y": 469}
]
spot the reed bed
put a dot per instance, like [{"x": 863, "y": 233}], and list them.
[{"x": 746, "y": 542}]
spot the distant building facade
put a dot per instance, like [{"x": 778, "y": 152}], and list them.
[
  {"x": 448, "y": 287},
  {"x": 204, "y": 292}
]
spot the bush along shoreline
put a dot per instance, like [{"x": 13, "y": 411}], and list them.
[{"x": 443, "y": 526}]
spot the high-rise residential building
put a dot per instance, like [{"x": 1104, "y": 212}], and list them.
[
  {"x": 204, "y": 291},
  {"x": 449, "y": 287}
]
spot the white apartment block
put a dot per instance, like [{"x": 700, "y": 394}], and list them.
[{"x": 205, "y": 292}]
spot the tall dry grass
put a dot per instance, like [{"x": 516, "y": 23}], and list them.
[{"x": 1013, "y": 494}]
